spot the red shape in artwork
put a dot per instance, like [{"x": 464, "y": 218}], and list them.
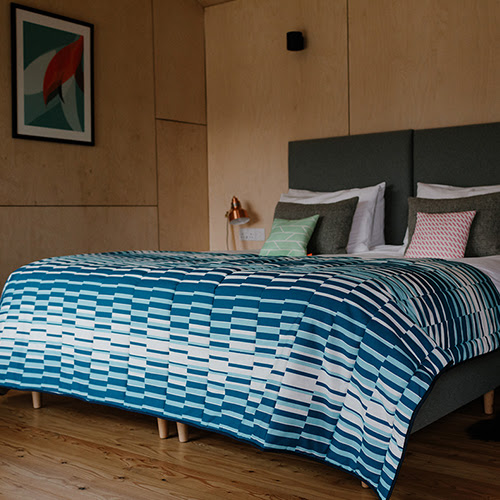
[{"x": 65, "y": 64}]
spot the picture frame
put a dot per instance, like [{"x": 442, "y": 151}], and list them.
[{"x": 52, "y": 77}]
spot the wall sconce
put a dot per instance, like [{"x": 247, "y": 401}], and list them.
[
  {"x": 295, "y": 41},
  {"x": 237, "y": 215}
]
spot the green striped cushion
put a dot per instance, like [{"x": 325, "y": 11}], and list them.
[{"x": 289, "y": 237}]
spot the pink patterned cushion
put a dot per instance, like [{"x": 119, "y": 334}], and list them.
[{"x": 441, "y": 235}]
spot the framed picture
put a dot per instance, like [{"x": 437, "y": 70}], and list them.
[{"x": 52, "y": 77}]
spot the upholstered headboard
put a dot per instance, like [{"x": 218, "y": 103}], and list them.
[
  {"x": 358, "y": 161},
  {"x": 461, "y": 156}
]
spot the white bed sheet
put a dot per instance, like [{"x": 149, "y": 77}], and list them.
[{"x": 489, "y": 265}]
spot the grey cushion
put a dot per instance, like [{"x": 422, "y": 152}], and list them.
[
  {"x": 333, "y": 227},
  {"x": 484, "y": 236}
]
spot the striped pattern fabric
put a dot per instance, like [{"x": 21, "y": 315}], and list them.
[
  {"x": 328, "y": 357},
  {"x": 442, "y": 236}
]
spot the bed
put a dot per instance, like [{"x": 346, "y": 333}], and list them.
[
  {"x": 403, "y": 159},
  {"x": 272, "y": 350}
]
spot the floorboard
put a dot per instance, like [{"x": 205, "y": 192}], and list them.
[{"x": 71, "y": 449}]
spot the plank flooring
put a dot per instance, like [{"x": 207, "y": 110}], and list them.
[{"x": 71, "y": 449}]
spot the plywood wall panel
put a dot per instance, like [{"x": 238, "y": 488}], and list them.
[
  {"x": 120, "y": 169},
  {"x": 426, "y": 63},
  {"x": 182, "y": 186},
  {"x": 32, "y": 233},
  {"x": 260, "y": 96},
  {"x": 179, "y": 60}
]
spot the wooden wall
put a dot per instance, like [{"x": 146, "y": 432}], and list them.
[
  {"x": 369, "y": 65},
  {"x": 424, "y": 64},
  {"x": 260, "y": 96},
  {"x": 149, "y": 84},
  {"x": 181, "y": 124}
]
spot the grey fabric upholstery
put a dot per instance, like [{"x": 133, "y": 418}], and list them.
[
  {"x": 359, "y": 161},
  {"x": 461, "y": 156},
  {"x": 458, "y": 386},
  {"x": 331, "y": 233}
]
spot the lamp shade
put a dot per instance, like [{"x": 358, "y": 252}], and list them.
[{"x": 237, "y": 215}]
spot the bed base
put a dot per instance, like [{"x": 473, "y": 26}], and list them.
[
  {"x": 183, "y": 429},
  {"x": 460, "y": 385},
  {"x": 488, "y": 402}
]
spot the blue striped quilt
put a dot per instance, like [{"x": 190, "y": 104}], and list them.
[{"x": 324, "y": 356}]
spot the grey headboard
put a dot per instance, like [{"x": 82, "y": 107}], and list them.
[
  {"x": 358, "y": 161},
  {"x": 461, "y": 156}
]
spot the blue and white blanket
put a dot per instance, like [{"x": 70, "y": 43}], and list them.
[{"x": 328, "y": 357}]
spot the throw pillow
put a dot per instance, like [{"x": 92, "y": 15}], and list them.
[
  {"x": 442, "y": 236},
  {"x": 289, "y": 237}
]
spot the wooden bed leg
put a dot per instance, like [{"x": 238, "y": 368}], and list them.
[
  {"x": 488, "y": 402},
  {"x": 364, "y": 485},
  {"x": 183, "y": 432},
  {"x": 162, "y": 428},
  {"x": 37, "y": 399}
]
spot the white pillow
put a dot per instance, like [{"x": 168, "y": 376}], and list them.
[
  {"x": 440, "y": 191},
  {"x": 378, "y": 236},
  {"x": 443, "y": 191},
  {"x": 367, "y": 228}
]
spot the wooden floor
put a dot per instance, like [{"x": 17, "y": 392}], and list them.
[{"x": 70, "y": 449}]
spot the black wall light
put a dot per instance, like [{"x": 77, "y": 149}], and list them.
[{"x": 295, "y": 41}]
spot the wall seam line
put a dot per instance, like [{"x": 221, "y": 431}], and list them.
[
  {"x": 39, "y": 205},
  {"x": 206, "y": 121},
  {"x": 155, "y": 124},
  {"x": 180, "y": 121},
  {"x": 348, "y": 72}
]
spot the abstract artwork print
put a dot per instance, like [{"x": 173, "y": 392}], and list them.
[{"x": 52, "y": 77}]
